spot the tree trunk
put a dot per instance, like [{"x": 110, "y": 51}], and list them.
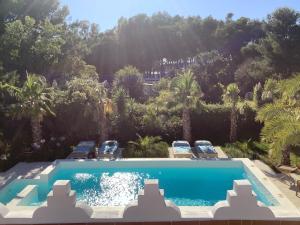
[
  {"x": 233, "y": 125},
  {"x": 186, "y": 124},
  {"x": 36, "y": 128},
  {"x": 103, "y": 124},
  {"x": 286, "y": 156}
]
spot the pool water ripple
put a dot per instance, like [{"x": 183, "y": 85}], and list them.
[{"x": 118, "y": 186}]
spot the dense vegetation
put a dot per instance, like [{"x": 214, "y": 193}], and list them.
[
  {"x": 226, "y": 79},
  {"x": 151, "y": 147}
]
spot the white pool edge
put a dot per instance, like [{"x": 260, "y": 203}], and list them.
[{"x": 284, "y": 211}]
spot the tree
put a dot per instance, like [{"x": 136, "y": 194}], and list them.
[
  {"x": 33, "y": 100},
  {"x": 28, "y": 45},
  {"x": 281, "y": 119},
  {"x": 39, "y": 10},
  {"x": 131, "y": 80},
  {"x": 234, "y": 34},
  {"x": 89, "y": 99},
  {"x": 270, "y": 91},
  {"x": 187, "y": 92},
  {"x": 231, "y": 96},
  {"x": 212, "y": 69},
  {"x": 281, "y": 45},
  {"x": 251, "y": 72}
]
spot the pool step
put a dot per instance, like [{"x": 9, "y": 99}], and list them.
[{"x": 25, "y": 196}]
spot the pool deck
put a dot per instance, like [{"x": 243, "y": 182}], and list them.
[
  {"x": 285, "y": 211},
  {"x": 220, "y": 152},
  {"x": 281, "y": 184},
  {"x": 22, "y": 170}
]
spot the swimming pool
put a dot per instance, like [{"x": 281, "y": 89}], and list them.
[{"x": 116, "y": 183}]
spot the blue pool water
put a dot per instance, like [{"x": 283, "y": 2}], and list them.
[{"x": 118, "y": 186}]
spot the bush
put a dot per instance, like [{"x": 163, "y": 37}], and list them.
[
  {"x": 6, "y": 164},
  {"x": 147, "y": 147},
  {"x": 212, "y": 122},
  {"x": 252, "y": 150}
]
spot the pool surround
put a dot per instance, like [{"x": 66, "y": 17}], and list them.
[{"x": 13, "y": 213}]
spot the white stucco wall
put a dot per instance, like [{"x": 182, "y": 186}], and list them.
[
  {"x": 61, "y": 206},
  {"x": 241, "y": 204},
  {"x": 151, "y": 205}
]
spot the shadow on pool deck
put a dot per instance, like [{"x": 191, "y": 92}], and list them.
[
  {"x": 282, "y": 184},
  {"x": 22, "y": 170}
]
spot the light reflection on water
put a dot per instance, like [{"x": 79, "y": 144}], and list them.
[
  {"x": 115, "y": 189},
  {"x": 118, "y": 186}
]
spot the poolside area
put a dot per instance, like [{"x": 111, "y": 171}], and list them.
[
  {"x": 31, "y": 170},
  {"x": 283, "y": 185},
  {"x": 182, "y": 211},
  {"x": 22, "y": 170}
]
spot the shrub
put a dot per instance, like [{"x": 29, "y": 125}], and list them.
[
  {"x": 147, "y": 147},
  {"x": 212, "y": 122},
  {"x": 252, "y": 150}
]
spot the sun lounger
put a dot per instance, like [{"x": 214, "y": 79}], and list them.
[
  {"x": 296, "y": 178},
  {"x": 83, "y": 150},
  {"x": 288, "y": 173}
]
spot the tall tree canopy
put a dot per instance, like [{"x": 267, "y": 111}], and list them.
[{"x": 97, "y": 82}]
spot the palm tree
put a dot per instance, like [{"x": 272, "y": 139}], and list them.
[
  {"x": 188, "y": 92},
  {"x": 282, "y": 119},
  {"x": 34, "y": 101},
  {"x": 92, "y": 95},
  {"x": 105, "y": 108},
  {"x": 231, "y": 96}
]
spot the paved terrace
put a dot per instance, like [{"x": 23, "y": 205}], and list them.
[
  {"x": 282, "y": 184},
  {"x": 22, "y": 170}
]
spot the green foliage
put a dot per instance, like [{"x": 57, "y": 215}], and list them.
[
  {"x": 199, "y": 56},
  {"x": 147, "y": 147},
  {"x": 186, "y": 89},
  {"x": 280, "y": 47},
  {"x": 270, "y": 90},
  {"x": 31, "y": 45},
  {"x": 281, "y": 118},
  {"x": 80, "y": 108},
  {"x": 144, "y": 40},
  {"x": 212, "y": 70},
  {"x": 119, "y": 98},
  {"x": 231, "y": 94},
  {"x": 251, "y": 72},
  {"x": 34, "y": 98},
  {"x": 4, "y": 148},
  {"x": 212, "y": 122},
  {"x": 257, "y": 94},
  {"x": 247, "y": 149},
  {"x": 131, "y": 80}
]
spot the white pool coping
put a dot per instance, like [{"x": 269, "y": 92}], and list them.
[{"x": 285, "y": 210}]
